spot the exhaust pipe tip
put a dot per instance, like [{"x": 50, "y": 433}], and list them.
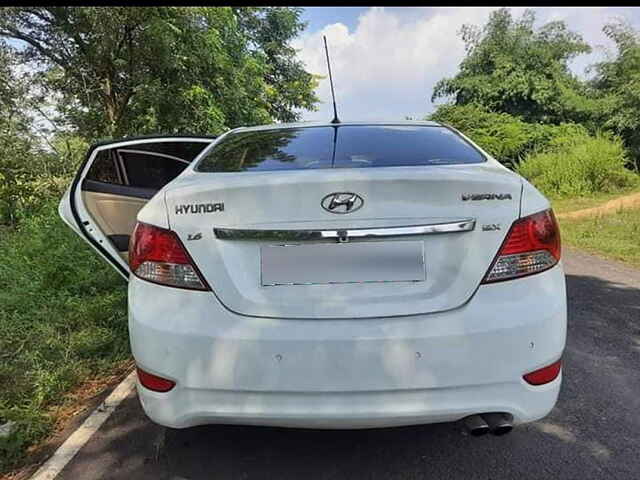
[
  {"x": 479, "y": 431},
  {"x": 502, "y": 430},
  {"x": 476, "y": 426},
  {"x": 499, "y": 423}
]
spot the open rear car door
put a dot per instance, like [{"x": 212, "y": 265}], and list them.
[{"x": 115, "y": 181}]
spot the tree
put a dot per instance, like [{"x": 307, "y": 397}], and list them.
[
  {"x": 125, "y": 70},
  {"x": 16, "y": 139},
  {"x": 512, "y": 67},
  {"x": 617, "y": 85},
  {"x": 269, "y": 31},
  {"x": 35, "y": 164}
]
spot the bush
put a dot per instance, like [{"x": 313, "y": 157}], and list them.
[
  {"x": 505, "y": 137},
  {"x": 30, "y": 175},
  {"x": 63, "y": 321},
  {"x": 575, "y": 165}
]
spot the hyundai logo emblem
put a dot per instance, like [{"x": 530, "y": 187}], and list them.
[{"x": 342, "y": 202}]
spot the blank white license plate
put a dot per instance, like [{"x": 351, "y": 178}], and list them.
[{"x": 400, "y": 261}]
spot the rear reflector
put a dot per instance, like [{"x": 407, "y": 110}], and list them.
[
  {"x": 153, "y": 382},
  {"x": 544, "y": 375},
  {"x": 531, "y": 246},
  {"x": 157, "y": 255}
]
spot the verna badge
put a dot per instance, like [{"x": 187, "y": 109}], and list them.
[
  {"x": 485, "y": 196},
  {"x": 342, "y": 202}
]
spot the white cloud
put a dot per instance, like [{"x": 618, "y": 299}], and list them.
[{"x": 387, "y": 67}]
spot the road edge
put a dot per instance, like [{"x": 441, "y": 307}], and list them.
[{"x": 63, "y": 455}]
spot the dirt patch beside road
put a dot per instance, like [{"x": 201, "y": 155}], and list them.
[{"x": 628, "y": 201}]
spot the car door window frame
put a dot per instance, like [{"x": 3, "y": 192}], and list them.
[
  {"x": 123, "y": 166},
  {"x": 83, "y": 220}
]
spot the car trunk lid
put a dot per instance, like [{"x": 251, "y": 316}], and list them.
[{"x": 268, "y": 259}]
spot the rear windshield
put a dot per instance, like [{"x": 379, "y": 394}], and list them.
[{"x": 347, "y": 146}]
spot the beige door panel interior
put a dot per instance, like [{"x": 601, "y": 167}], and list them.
[{"x": 114, "y": 214}]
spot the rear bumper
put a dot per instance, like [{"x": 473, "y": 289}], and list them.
[
  {"x": 347, "y": 410},
  {"x": 349, "y": 373}
]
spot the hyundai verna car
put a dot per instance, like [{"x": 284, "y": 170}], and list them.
[{"x": 348, "y": 275}]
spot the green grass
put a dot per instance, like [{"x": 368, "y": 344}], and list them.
[
  {"x": 615, "y": 235},
  {"x": 570, "y": 204},
  {"x": 63, "y": 321}
]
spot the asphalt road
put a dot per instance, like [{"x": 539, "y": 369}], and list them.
[{"x": 594, "y": 431}]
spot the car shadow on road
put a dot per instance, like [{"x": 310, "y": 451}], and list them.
[{"x": 594, "y": 431}]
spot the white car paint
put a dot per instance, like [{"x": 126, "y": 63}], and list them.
[
  {"x": 349, "y": 374},
  {"x": 355, "y": 356}
]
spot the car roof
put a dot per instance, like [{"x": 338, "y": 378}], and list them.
[
  {"x": 277, "y": 126},
  {"x": 162, "y": 136}
]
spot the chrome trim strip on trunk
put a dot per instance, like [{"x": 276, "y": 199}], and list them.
[{"x": 464, "y": 225}]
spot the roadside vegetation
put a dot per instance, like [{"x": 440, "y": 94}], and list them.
[
  {"x": 63, "y": 321},
  {"x": 579, "y": 166},
  {"x": 615, "y": 235},
  {"x": 73, "y": 76}
]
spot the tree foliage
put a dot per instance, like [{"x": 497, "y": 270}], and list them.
[
  {"x": 514, "y": 68},
  {"x": 269, "y": 31},
  {"x": 504, "y": 136},
  {"x": 617, "y": 85},
  {"x": 124, "y": 70},
  {"x": 16, "y": 139}
]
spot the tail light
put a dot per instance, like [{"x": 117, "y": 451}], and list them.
[
  {"x": 532, "y": 246},
  {"x": 544, "y": 375},
  {"x": 157, "y": 255},
  {"x": 154, "y": 382}
]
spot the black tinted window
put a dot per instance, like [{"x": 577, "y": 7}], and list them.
[
  {"x": 183, "y": 149},
  {"x": 150, "y": 171},
  {"x": 346, "y": 146},
  {"x": 284, "y": 149},
  {"x": 395, "y": 146},
  {"x": 103, "y": 168}
]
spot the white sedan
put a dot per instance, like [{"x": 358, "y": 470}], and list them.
[{"x": 347, "y": 275}]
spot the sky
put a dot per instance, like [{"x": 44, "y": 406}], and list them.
[{"x": 386, "y": 61}]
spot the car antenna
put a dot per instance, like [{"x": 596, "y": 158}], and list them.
[{"x": 333, "y": 95}]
